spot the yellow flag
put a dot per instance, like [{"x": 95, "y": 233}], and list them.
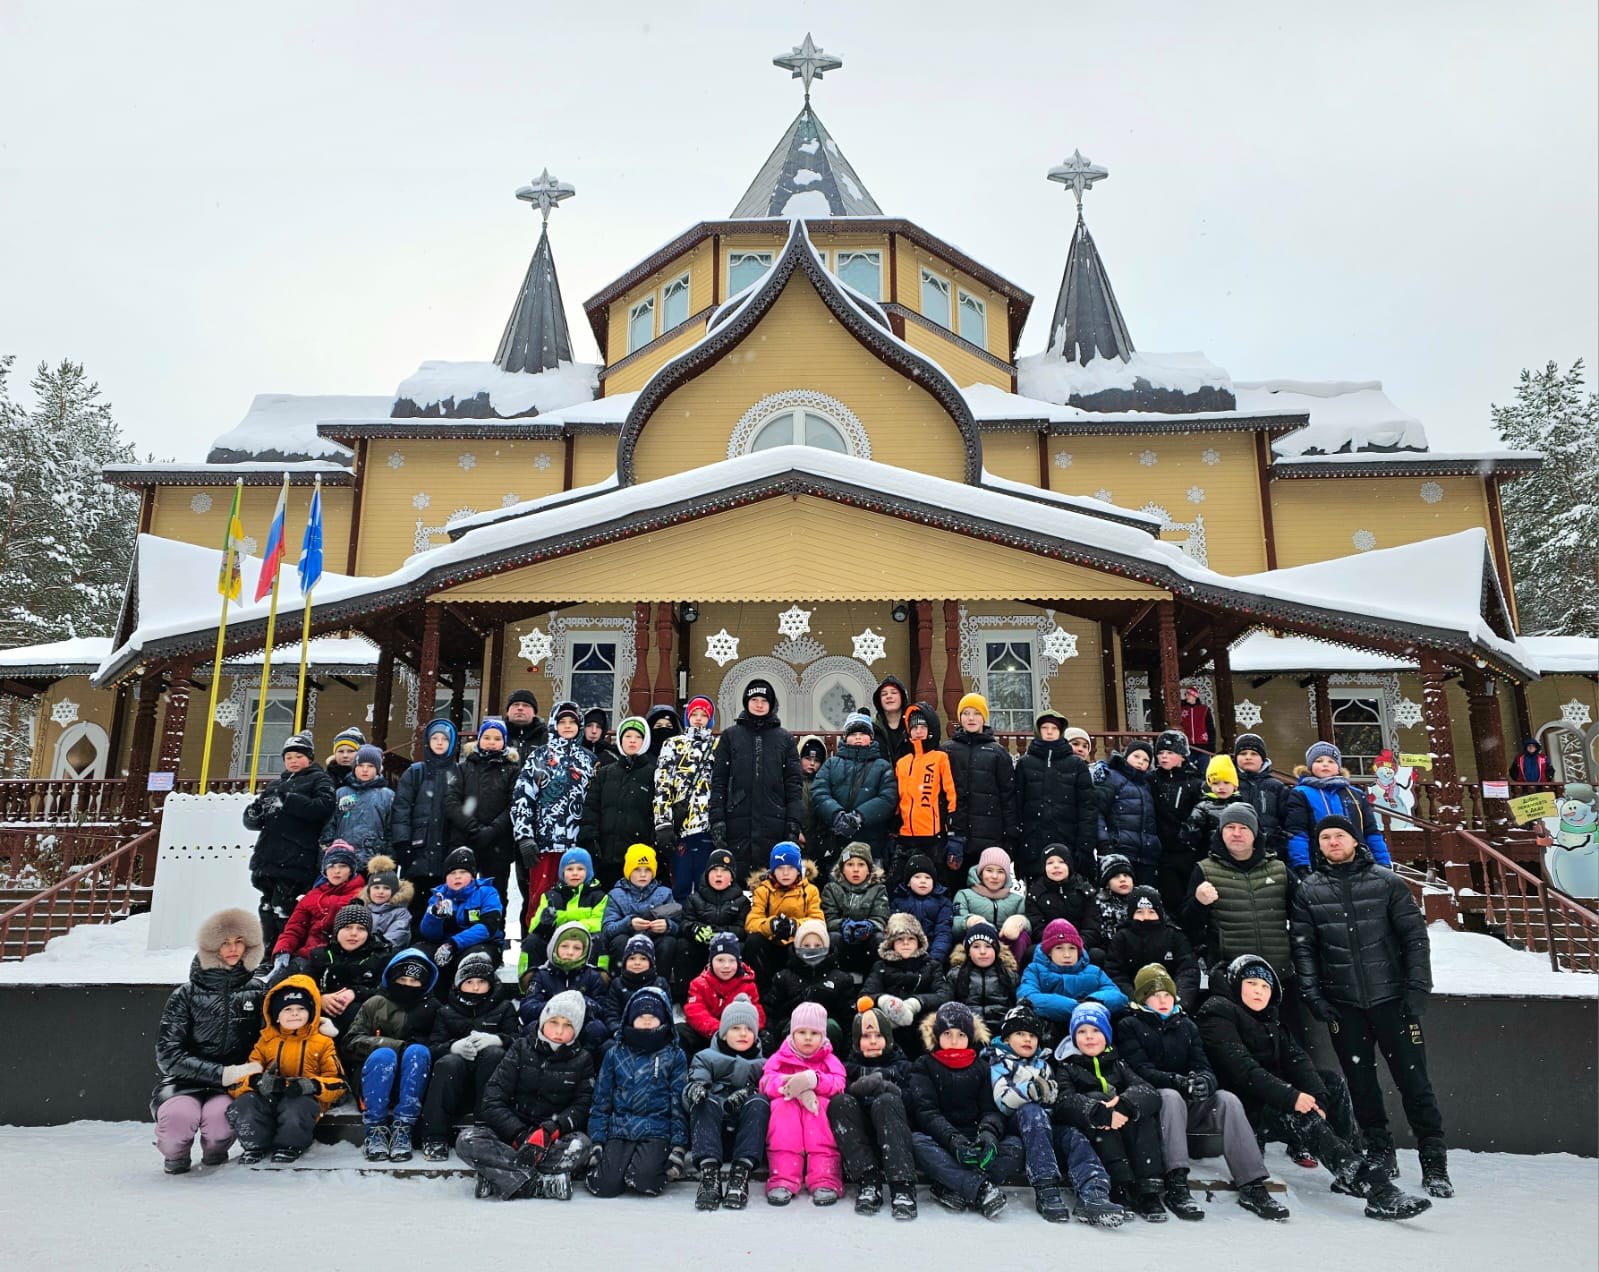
[{"x": 230, "y": 579}]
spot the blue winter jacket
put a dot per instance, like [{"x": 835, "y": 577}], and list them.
[
  {"x": 1317, "y": 797},
  {"x": 639, "y": 1095},
  {"x": 1127, "y": 813},
  {"x": 1055, "y": 991},
  {"x": 857, "y": 779},
  {"x": 624, "y": 903},
  {"x": 548, "y": 980},
  {"x": 361, "y": 815},
  {"x": 936, "y": 915},
  {"x": 477, "y": 918}
]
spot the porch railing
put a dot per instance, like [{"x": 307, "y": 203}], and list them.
[
  {"x": 61, "y": 800},
  {"x": 38, "y": 856},
  {"x": 102, "y": 891}
]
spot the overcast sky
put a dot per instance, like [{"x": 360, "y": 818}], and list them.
[{"x": 204, "y": 202}]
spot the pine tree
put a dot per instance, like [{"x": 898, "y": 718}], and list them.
[
  {"x": 66, "y": 538},
  {"x": 1552, "y": 516}
]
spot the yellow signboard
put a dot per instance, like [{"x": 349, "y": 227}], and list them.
[
  {"x": 1527, "y": 808},
  {"x": 1422, "y": 761}
]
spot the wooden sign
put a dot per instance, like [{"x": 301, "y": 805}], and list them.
[
  {"x": 1534, "y": 807},
  {"x": 1421, "y": 761}
]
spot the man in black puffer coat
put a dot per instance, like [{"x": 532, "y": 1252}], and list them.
[
  {"x": 1055, "y": 794},
  {"x": 478, "y": 805},
  {"x": 289, "y": 813},
  {"x": 757, "y": 797},
  {"x": 1259, "y": 788},
  {"x": 985, "y": 792},
  {"x": 1363, "y": 963}
]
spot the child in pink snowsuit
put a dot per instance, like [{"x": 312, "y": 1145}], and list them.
[{"x": 799, "y": 1081}]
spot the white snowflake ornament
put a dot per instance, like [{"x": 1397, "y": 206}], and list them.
[
  {"x": 535, "y": 646},
  {"x": 1406, "y": 714},
  {"x": 721, "y": 648},
  {"x": 1148, "y": 458},
  {"x": 1364, "y": 540},
  {"x": 868, "y": 646},
  {"x": 1060, "y": 644},
  {"x": 509, "y": 499},
  {"x": 201, "y": 503},
  {"x": 1063, "y": 459},
  {"x": 64, "y": 712},
  {"x": 541, "y": 461},
  {"x": 228, "y": 713},
  {"x": 1246, "y": 713},
  {"x": 1196, "y": 494},
  {"x": 1104, "y": 496},
  {"x": 467, "y": 461},
  {"x": 369, "y": 713},
  {"x": 396, "y": 459},
  {"x": 1431, "y": 492},
  {"x": 1211, "y": 456},
  {"x": 794, "y": 622},
  {"x": 1576, "y": 714},
  {"x": 421, "y": 500}
]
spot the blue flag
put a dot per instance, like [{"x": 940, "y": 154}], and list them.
[{"x": 311, "y": 545}]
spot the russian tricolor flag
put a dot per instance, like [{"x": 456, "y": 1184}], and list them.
[{"x": 272, "y": 557}]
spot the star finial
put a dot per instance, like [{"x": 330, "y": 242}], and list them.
[
  {"x": 546, "y": 192},
  {"x": 1079, "y": 174},
  {"x": 807, "y": 62}
]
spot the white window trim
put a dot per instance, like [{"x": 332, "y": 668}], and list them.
[
  {"x": 1381, "y": 691},
  {"x": 648, "y": 303},
  {"x": 926, "y": 275},
  {"x": 1027, "y": 636},
  {"x": 70, "y": 737},
  {"x": 961, "y": 297},
  {"x": 751, "y": 422},
  {"x": 688, "y": 301},
  {"x": 876, "y": 256},
  {"x": 766, "y": 259},
  {"x": 558, "y": 667},
  {"x": 246, "y": 729}
]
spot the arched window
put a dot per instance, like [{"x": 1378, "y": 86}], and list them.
[
  {"x": 800, "y": 417},
  {"x": 800, "y": 428}
]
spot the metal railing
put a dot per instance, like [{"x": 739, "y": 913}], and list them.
[{"x": 102, "y": 891}]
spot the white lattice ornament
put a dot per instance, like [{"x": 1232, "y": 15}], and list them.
[
  {"x": 868, "y": 646},
  {"x": 799, "y": 650},
  {"x": 228, "y": 713},
  {"x": 1246, "y": 713},
  {"x": 541, "y": 461},
  {"x": 467, "y": 461},
  {"x": 1431, "y": 492},
  {"x": 201, "y": 503},
  {"x": 1211, "y": 456},
  {"x": 535, "y": 646},
  {"x": 421, "y": 500},
  {"x": 1364, "y": 540},
  {"x": 509, "y": 499},
  {"x": 1060, "y": 644},
  {"x": 64, "y": 712},
  {"x": 721, "y": 647},
  {"x": 1406, "y": 714},
  {"x": 794, "y": 622},
  {"x": 1148, "y": 458},
  {"x": 1063, "y": 459},
  {"x": 1576, "y": 714},
  {"x": 396, "y": 459},
  {"x": 1104, "y": 496},
  {"x": 1196, "y": 494}
]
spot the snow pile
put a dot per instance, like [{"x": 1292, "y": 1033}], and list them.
[
  {"x": 1345, "y": 415},
  {"x": 511, "y": 394},
  {"x": 1053, "y": 379},
  {"x": 283, "y": 426},
  {"x": 1474, "y": 965},
  {"x": 78, "y": 650},
  {"x": 102, "y": 954},
  {"x": 1263, "y": 652},
  {"x": 1574, "y": 654},
  {"x": 610, "y": 411},
  {"x": 807, "y": 203}
]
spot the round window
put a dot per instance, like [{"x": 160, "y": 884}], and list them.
[{"x": 800, "y": 428}]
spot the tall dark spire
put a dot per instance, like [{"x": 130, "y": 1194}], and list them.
[
  {"x": 536, "y": 336},
  {"x": 1088, "y": 321}
]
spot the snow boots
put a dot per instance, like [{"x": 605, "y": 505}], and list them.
[
  {"x": 1177, "y": 1198},
  {"x": 1094, "y": 1206},
  {"x": 902, "y": 1200},
  {"x": 1143, "y": 1199},
  {"x": 869, "y": 1195},
  {"x": 214, "y": 1156},
  {"x": 1255, "y": 1199},
  {"x": 990, "y": 1200},
  {"x": 949, "y": 1199},
  {"x": 1380, "y": 1152},
  {"x": 286, "y": 1156},
  {"x": 1385, "y": 1201},
  {"x": 824, "y": 1197},
  {"x": 1049, "y": 1199},
  {"x": 376, "y": 1148},
  {"x": 709, "y": 1194},
  {"x": 175, "y": 1165},
  {"x": 552, "y": 1187},
  {"x": 779, "y": 1196},
  {"x": 435, "y": 1150},
  {"x": 252, "y": 1156},
  {"x": 400, "y": 1142},
  {"x": 737, "y": 1194},
  {"x": 1435, "y": 1180}
]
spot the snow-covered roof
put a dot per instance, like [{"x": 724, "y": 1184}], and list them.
[
  {"x": 1577, "y": 655},
  {"x": 609, "y": 411},
  {"x": 526, "y": 507},
  {"x": 1353, "y": 415},
  {"x": 1419, "y": 463},
  {"x": 447, "y": 389},
  {"x": 281, "y": 426},
  {"x": 301, "y": 472},
  {"x": 806, "y": 175},
  {"x": 1082, "y": 503},
  {"x": 1052, "y": 378},
  {"x": 80, "y": 652},
  {"x": 1263, "y": 653}
]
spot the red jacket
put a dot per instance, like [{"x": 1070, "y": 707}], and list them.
[
  {"x": 709, "y": 995},
  {"x": 310, "y": 927}
]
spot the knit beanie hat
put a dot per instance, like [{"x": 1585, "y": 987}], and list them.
[
  {"x": 955, "y": 1015},
  {"x": 438, "y": 726},
  {"x": 879, "y": 1018},
  {"x": 813, "y": 746},
  {"x": 493, "y": 724},
  {"x": 633, "y": 724},
  {"x": 370, "y": 754},
  {"x": 341, "y": 853},
  {"x": 811, "y": 927},
  {"x": 979, "y": 930},
  {"x": 760, "y": 689},
  {"x": 1091, "y": 1013},
  {"x": 1221, "y": 769},
  {"x": 351, "y": 737},
  {"x": 522, "y": 695},
  {"x": 597, "y": 715},
  {"x": 920, "y": 864},
  {"x": 381, "y": 872},
  {"x": 1249, "y": 742},
  {"x": 1021, "y": 1019},
  {"x": 741, "y": 1011},
  {"x": 994, "y": 857},
  {"x": 1059, "y": 932},
  {"x": 566, "y": 710},
  {"x": 577, "y": 857},
  {"x": 784, "y": 853},
  {"x": 1111, "y": 865},
  {"x": 461, "y": 859},
  {"x": 569, "y": 1005},
  {"x": 1240, "y": 815},
  {"x": 721, "y": 859},
  {"x": 1152, "y": 978},
  {"x": 724, "y": 943},
  {"x": 300, "y": 744},
  {"x": 1074, "y": 734},
  {"x": 1172, "y": 740},
  {"x": 976, "y": 702},
  {"x": 1320, "y": 750},
  {"x": 1140, "y": 744},
  {"x": 639, "y": 943},
  {"x": 353, "y": 915},
  {"x": 857, "y": 722},
  {"x": 856, "y": 851},
  {"x": 476, "y": 965},
  {"x": 1058, "y": 850},
  {"x": 412, "y": 963},
  {"x": 1251, "y": 967},
  {"x": 292, "y": 996},
  {"x": 701, "y": 704},
  {"x": 1145, "y": 897},
  {"x": 636, "y": 856},
  {"x": 808, "y": 1016},
  {"x": 1336, "y": 821}
]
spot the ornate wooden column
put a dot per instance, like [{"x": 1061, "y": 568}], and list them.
[
  {"x": 1171, "y": 680},
  {"x": 458, "y": 697},
  {"x": 640, "y": 696},
  {"x": 493, "y": 674},
  {"x": 382, "y": 695},
  {"x": 427, "y": 677},
  {"x": 954, "y": 688},
  {"x": 1488, "y": 744},
  {"x": 1226, "y": 714},
  {"x": 922, "y": 673},
  {"x": 665, "y": 667},
  {"x": 1323, "y": 700},
  {"x": 177, "y": 716},
  {"x": 1107, "y": 670},
  {"x": 1440, "y": 741},
  {"x": 141, "y": 745}
]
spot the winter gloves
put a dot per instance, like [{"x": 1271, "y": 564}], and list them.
[
  {"x": 304, "y": 1086},
  {"x": 1323, "y": 1011},
  {"x": 537, "y": 1145},
  {"x": 666, "y": 839},
  {"x": 846, "y": 823},
  {"x": 856, "y": 931},
  {"x": 737, "y": 1100},
  {"x": 704, "y": 933},
  {"x": 267, "y": 1085},
  {"x": 976, "y": 1151},
  {"x": 445, "y": 952},
  {"x": 694, "y": 1095},
  {"x": 443, "y": 907},
  {"x": 719, "y": 835},
  {"x": 468, "y": 1047},
  {"x": 955, "y": 852},
  {"x": 263, "y": 810},
  {"x": 1040, "y": 1088},
  {"x": 783, "y": 928},
  {"x": 233, "y": 1074},
  {"x": 901, "y": 1012},
  {"x": 280, "y": 961},
  {"x": 870, "y": 1084},
  {"x": 1416, "y": 1001}
]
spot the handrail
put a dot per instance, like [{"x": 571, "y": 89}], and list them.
[{"x": 107, "y": 896}]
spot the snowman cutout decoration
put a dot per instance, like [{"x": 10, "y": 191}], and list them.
[
  {"x": 1391, "y": 787},
  {"x": 1572, "y": 860}
]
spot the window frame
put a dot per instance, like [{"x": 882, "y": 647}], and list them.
[
  {"x": 285, "y": 696},
  {"x": 578, "y": 635},
  {"x": 634, "y": 312},
  {"x": 743, "y": 254},
  {"x": 802, "y": 411},
  {"x": 962, "y": 296},
  {"x": 1337, "y": 694},
  {"x": 1024, "y": 636},
  {"x": 942, "y": 284},
  {"x": 666, "y": 323},
  {"x": 876, "y": 256}
]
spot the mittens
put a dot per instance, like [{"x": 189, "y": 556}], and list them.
[
  {"x": 267, "y": 1084},
  {"x": 485, "y": 1040},
  {"x": 327, "y": 1028},
  {"x": 694, "y": 1095},
  {"x": 869, "y": 1084},
  {"x": 783, "y": 928},
  {"x": 808, "y": 1101},
  {"x": 305, "y": 1086},
  {"x": 1323, "y": 1011},
  {"x": 465, "y": 1047},
  {"x": 898, "y": 1013},
  {"x": 233, "y": 1074},
  {"x": 737, "y": 1100}
]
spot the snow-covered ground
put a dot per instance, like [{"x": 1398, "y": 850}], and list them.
[{"x": 1509, "y": 1211}]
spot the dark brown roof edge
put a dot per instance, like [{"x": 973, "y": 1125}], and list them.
[{"x": 137, "y": 477}]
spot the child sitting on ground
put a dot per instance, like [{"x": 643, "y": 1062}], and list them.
[
  {"x": 567, "y": 970},
  {"x": 638, "y": 1119},
  {"x": 784, "y": 899},
  {"x": 922, "y": 896},
  {"x": 640, "y": 905},
  {"x": 1059, "y": 977},
  {"x": 811, "y": 975},
  {"x": 576, "y": 897},
  {"x": 1059, "y": 893},
  {"x": 297, "y": 1077},
  {"x": 716, "y": 904},
  {"x": 637, "y": 970},
  {"x": 869, "y": 1121},
  {"x": 388, "y": 1041},
  {"x": 799, "y": 1080},
  {"x": 349, "y": 970},
  {"x": 310, "y": 927},
  {"x": 992, "y": 896},
  {"x": 982, "y": 974},
  {"x": 471, "y": 1031},
  {"x": 1150, "y": 937},
  {"x": 464, "y": 913},
  {"x": 855, "y": 902},
  {"x": 727, "y": 978},
  {"x": 726, "y": 1108},
  {"x": 906, "y": 981},
  {"x": 389, "y": 898},
  {"x": 1113, "y": 904},
  {"x": 530, "y": 1136}
]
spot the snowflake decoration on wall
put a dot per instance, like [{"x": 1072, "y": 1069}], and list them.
[
  {"x": 1103, "y": 495},
  {"x": 1576, "y": 714},
  {"x": 396, "y": 459},
  {"x": 64, "y": 712},
  {"x": 1210, "y": 455},
  {"x": 1406, "y": 713},
  {"x": 1364, "y": 540},
  {"x": 541, "y": 461},
  {"x": 535, "y": 646},
  {"x": 509, "y": 499},
  {"x": 721, "y": 648},
  {"x": 421, "y": 500},
  {"x": 1148, "y": 458},
  {"x": 1431, "y": 492},
  {"x": 794, "y": 622},
  {"x": 1196, "y": 494},
  {"x": 201, "y": 502},
  {"x": 228, "y": 713},
  {"x": 800, "y": 650},
  {"x": 1246, "y": 713},
  {"x": 249, "y": 545},
  {"x": 868, "y": 646},
  {"x": 369, "y": 713},
  {"x": 467, "y": 462},
  {"x": 1060, "y": 644},
  {"x": 1063, "y": 459}
]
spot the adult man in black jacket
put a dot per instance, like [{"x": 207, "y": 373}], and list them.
[
  {"x": 1361, "y": 958},
  {"x": 524, "y": 730},
  {"x": 757, "y": 798},
  {"x": 289, "y": 814}
]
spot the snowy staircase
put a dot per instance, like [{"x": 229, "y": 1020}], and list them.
[{"x": 50, "y": 922}]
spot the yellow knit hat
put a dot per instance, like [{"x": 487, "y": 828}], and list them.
[
  {"x": 638, "y": 855},
  {"x": 1221, "y": 769},
  {"x": 976, "y": 702}
]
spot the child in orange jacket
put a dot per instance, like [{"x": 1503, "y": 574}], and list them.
[
  {"x": 780, "y": 902},
  {"x": 297, "y": 1076},
  {"x": 926, "y": 793}
]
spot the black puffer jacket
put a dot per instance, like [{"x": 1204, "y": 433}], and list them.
[
  {"x": 539, "y": 1083},
  {"x": 1253, "y": 1054},
  {"x": 333, "y": 967},
  {"x": 947, "y": 1102},
  {"x": 479, "y": 806},
  {"x": 288, "y": 846},
  {"x": 1175, "y": 791},
  {"x": 417, "y": 825},
  {"x": 1056, "y": 796},
  {"x": 799, "y": 982},
  {"x": 755, "y": 784},
  {"x": 920, "y": 978},
  {"x": 1141, "y": 942},
  {"x": 1127, "y": 822},
  {"x": 989, "y": 991},
  {"x": 892, "y": 744},
  {"x": 1358, "y": 935},
  {"x": 1072, "y": 899},
  {"x": 459, "y": 1016},
  {"x": 619, "y": 811},
  {"x": 985, "y": 792},
  {"x": 725, "y": 911},
  {"x": 1269, "y": 798},
  {"x": 1160, "y": 1049},
  {"x": 1083, "y": 1081},
  {"x": 211, "y": 1021}
]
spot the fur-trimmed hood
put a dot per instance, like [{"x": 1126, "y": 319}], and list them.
[
  {"x": 901, "y": 924},
  {"x": 379, "y": 864},
  {"x": 979, "y": 1040},
  {"x": 511, "y": 754},
  {"x": 1005, "y": 959},
  {"x": 760, "y": 875},
  {"x": 876, "y": 876},
  {"x": 222, "y": 926}
]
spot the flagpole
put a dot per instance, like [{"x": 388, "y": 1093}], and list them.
[
  {"x": 266, "y": 657},
  {"x": 222, "y": 632},
  {"x": 305, "y": 636}
]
